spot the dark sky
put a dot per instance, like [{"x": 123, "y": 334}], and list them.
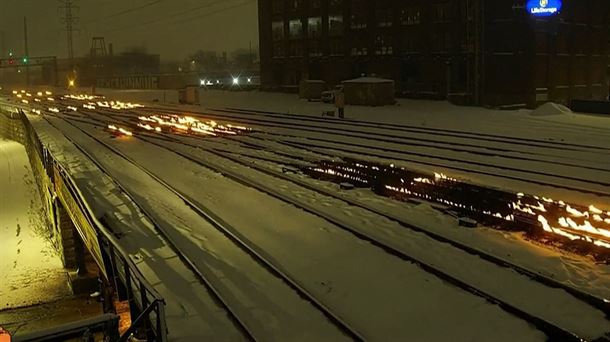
[{"x": 172, "y": 28}]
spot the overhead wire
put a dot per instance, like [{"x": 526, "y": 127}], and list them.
[
  {"x": 183, "y": 13},
  {"x": 128, "y": 10}
]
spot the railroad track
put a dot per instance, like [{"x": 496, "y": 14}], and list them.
[
  {"x": 347, "y": 147},
  {"x": 230, "y": 233},
  {"x": 319, "y": 149},
  {"x": 435, "y": 131},
  {"x": 543, "y": 325},
  {"x": 600, "y": 303},
  {"x": 551, "y": 330},
  {"x": 347, "y": 126}
]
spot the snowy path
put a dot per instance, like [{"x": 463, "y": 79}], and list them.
[
  {"x": 31, "y": 271},
  {"x": 336, "y": 281}
]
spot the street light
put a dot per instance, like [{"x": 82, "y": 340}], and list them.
[{"x": 235, "y": 81}]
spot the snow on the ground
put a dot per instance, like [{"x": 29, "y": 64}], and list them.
[
  {"x": 570, "y": 269},
  {"x": 550, "y": 109},
  {"x": 554, "y": 305},
  {"x": 191, "y": 312},
  {"x": 31, "y": 271},
  {"x": 264, "y": 302},
  {"x": 431, "y": 114},
  {"x": 350, "y": 277},
  {"x": 567, "y": 128}
]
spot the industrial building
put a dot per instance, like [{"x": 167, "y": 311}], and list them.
[{"x": 500, "y": 52}]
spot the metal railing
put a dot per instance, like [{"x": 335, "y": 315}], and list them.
[{"x": 146, "y": 305}]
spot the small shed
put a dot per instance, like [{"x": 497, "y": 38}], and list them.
[
  {"x": 311, "y": 89},
  {"x": 189, "y": 95},
  {"x": 369, "y": 91}
]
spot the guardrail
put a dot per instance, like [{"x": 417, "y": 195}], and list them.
[
  {"x": 84, "y": 330},
  {"x": 146, "y": 305}
]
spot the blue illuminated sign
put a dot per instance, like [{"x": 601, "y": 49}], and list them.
[{"x": 543, "y": 8}]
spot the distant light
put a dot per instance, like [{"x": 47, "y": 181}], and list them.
[
  {"x": 235, "y": 80},
  {"x": 193, "y": 62},
  {"x": 217, "y": 81},
  {"x": 249, "y": 80},
  {"x": 202, "y": 82},
  {"x": 71, "y": 83},
  {"x": 25, "y": 60}
]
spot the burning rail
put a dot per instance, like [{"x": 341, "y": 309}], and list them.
[
  {"x": 585, "y": 229},
  {"x": 188, "y": 125}
]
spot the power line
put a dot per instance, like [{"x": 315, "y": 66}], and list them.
[
  {"x": 127, "y": 11},
  {"x": 181, "y": 13}
]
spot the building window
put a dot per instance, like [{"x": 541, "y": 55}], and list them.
[
  {"x": 441, "y": 13},
  {"x": 383, "y": 46},
  {"x": 410, "y": 44},
  {"x": 278, "y": 49},
  {"x": 295, "y": 29},
  {"x": 277, "y": 7},
  {"x": 296, "y": 5},
  {"x": 335, "y": 25},
  {"x": 296, "y": 49},
  {"x": 336, "y": 3},
  {"x": 441, "y": 41},
  {"x": 358, "y": 21},
  {"x": 277, "y": 29},
  {"x": 360, "y": 51},
  {"x": 336, "y": 47},
  {"x": 410, "y": 15},
  {"x": 383, "y": 17},
  {"x": 314, "y": 27},
  {"x": 315, "y": 49}
]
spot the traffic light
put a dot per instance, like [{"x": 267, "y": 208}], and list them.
[
  {"x": 11, "y": 61},
  {"x": 25, "y": 60}
]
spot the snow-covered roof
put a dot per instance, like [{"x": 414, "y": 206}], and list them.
[{"x": 369, "y": 80}]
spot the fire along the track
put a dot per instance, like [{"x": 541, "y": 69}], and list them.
[
  {"x": 188, "y": 125},
  {"x": 575, "y": 227},
  {"x": 119, "y": 131}
]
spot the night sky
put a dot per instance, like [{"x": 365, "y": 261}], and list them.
[{"x": 172, "y": 28}]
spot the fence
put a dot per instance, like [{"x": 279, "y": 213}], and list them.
[{"x": 147, "y": 307}]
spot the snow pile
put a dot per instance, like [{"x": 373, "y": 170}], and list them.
[{"x": 551, "y": 108}]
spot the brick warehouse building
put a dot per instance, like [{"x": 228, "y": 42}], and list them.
[{"x": 471, "y": 51}]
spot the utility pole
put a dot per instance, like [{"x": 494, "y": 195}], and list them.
[
  {"x": 70, "y": 19},
  {"x": 2, "y": 45},
  {"x": 26, "y": 56}
]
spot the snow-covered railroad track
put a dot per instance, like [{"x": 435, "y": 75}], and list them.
[
  {"x": 380, "y": 130},
  {"x": 208, "y": 275},
  {"x": 550, "y": 327},
  {"x": 573, "y": 175},
  {"x": 436, "y": 131},
  {"x": 552, "y": 330}
]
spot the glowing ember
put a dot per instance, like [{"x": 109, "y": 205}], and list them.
[{"x": 80, "y": 97}]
